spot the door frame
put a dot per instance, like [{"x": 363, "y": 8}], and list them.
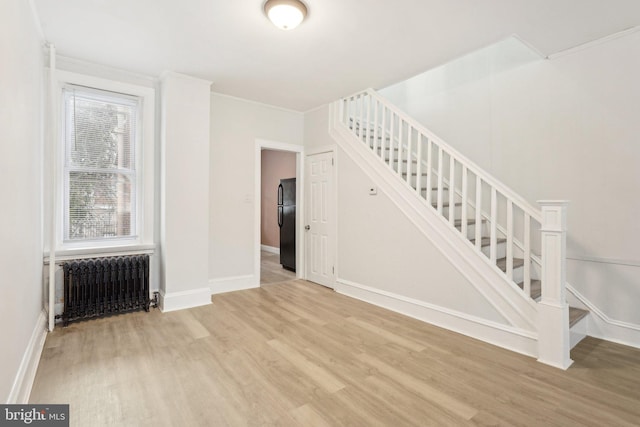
[
  {"x": 333, "y": 149},
  {"x": 265, "y": 144}
]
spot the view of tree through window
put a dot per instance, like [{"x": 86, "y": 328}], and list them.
[{"x": 100, "y": 132}]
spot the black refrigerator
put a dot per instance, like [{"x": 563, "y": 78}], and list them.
[{"x": 287, "y": 222}]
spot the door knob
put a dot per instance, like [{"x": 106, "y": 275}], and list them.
[{"x": 307, "y": 227}]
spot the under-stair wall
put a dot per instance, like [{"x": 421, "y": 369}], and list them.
[{"x": 397, "y": 267}]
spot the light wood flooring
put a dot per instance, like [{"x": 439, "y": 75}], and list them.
[
  {"x": 293, "y": 353},
  {"x": 271, "y": 271}
]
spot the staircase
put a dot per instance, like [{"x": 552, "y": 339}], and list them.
[{"x": 523, "y": 247}]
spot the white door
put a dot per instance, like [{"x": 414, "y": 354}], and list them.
[{"x": 319, "y": 219}]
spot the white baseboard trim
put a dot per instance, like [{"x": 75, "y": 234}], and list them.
[
  {"x": 235, "y": 283},
  {"x": 186, "y": 299},
  {"x": 602, "y": 326},
  {"x": 518, "y": 340},
  {"x": 270, "y": 249},
  {"x": 29, "y": 365}
]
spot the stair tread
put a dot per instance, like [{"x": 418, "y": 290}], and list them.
[
  {"x": 536, "y": 288},
  {"x": 386, "y": 148},
  {"x": 486, "y": 241},
  {"x": 424, "y": 190},
  {"x": 364, "y": 135},
  {"x": 458, "y": 222},
  {"x": 403, "y": 160},
  {"x": 575, "y": 315},
  {"x": 502, "y": 263},
  {"x": 446, "y": 204}
]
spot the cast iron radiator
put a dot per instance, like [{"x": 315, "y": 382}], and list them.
[{"x": 102, "y": 286}]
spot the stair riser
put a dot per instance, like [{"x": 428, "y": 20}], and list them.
[
  {"x": 457, "y": 210},
  {"x": 412, "y": 180},
  {"x": 501, "y": 251},
  {"x": 405, "y": 165},
  {"x": 518, "y": 274},
  {"x": 370, "y": 133},
  {"x": 403, "y": 162},
  {"x": 403, "y": 168},
  {"x": 370, "y": 142},
  {"x": 387, "y": 151},
  {"x": 434, "y": 194},
  {"x": 379, "y": 142},
  {"x": 471, "y": 230}
]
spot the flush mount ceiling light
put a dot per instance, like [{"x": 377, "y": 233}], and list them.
[{"x": 285, "y": 14}]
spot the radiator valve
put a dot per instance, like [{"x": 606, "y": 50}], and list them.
[{"x": 154, "y": 301}]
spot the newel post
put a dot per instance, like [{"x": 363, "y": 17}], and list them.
[{"x": 553, "y": 310}]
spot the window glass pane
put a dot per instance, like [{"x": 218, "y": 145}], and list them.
[
  {"x": 100, "y": 134},
  {"x": 100, "y": 205},
  {"x": 100, "y": 139}
]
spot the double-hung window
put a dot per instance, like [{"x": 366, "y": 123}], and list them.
[
  {"x": 105, "y": 166},
  {"x": 100, "y": 173}
]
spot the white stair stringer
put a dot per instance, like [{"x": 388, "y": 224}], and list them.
[{"x": 519, "y": 311}]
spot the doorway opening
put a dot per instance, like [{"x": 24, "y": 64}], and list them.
[{"x": 279, "y": 251}]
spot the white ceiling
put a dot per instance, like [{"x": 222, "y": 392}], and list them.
[{"x": 343, "y": 46}]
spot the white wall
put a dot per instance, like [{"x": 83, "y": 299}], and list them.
[
  {"x": 565, "y": 128},
  {"x": 185, "y": 191},
  {"x": 316, "y": 127},
  {"x": 235, "y": 126},
  {"x": 21, "y": 92},
  {"x": 379, "y": 247}
]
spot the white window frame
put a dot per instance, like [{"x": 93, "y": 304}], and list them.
[{"x": 144, "y": 164}]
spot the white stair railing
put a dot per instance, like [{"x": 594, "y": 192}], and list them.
[{"x": 498, "y": 222}]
